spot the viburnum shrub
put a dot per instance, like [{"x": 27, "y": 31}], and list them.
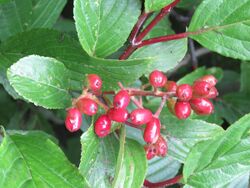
[{"x": 133, "y": 93}]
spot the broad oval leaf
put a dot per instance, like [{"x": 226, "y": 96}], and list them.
[
  {"x": 32, "y": 159},
  {"x": 218, "y": 161},
  {"x": 41, "y": 80},
  {"x": 155, "y": 5},
  {"x": 244, "y": 78},
  {"x": 225, "y": 27},
  {"x": 17, "y": 16},
  {"x": 104, "y": 26}
]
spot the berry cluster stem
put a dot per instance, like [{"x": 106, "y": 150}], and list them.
[
  {"x": 169, "y": 182},
  {"x": 136, "y": 37}
]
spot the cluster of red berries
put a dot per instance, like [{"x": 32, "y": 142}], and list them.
[{"x": 181, "y": 99}]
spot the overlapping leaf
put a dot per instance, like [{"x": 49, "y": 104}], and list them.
[
  {"x": 155, "y": 5},
  {"x": 225, "y": 28}
]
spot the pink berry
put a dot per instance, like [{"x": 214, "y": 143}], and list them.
[
  {"x": 171, "y": 86},
  {"x": 161, "y": 147},
  {"x": 157, "y": 79},
  {"x": 209, "y": 79},
  {"x": 152, "y": 130},
  {"x": 213, "y": 93},
  {"x": 94, "y": 82},
  {"x": 121, "y": 99},
  {"x": 184, "y": 92},
  {"x": 150, "y": 151},
  {"x": 140, "y": 116},
  {"x": 73, "y": 120},
  {"x": 182, "y": 110},
  {"x": 202, "y": 106},
  {"x": 87, "y": 106},
  {"x": 102, "y": 126},
  {"x": 201, "y": 88},
  {"x": 118, "y": 114}
]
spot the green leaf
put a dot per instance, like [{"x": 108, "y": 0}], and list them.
[
  {"x": 245, "y": 72},
  {"x": 131, "y": 165},
  {"x": 54, "y": 44},
  {"x": 190, "y": 78},
  {"x": 98, "y": 158},
  {"x": 33, "y": 160},
  {"x": 104, "y": 26},
  {"x": 17, "y": 16},
  {"x": 155, "y": 5},
  {"x": 165, "y": 55},
  {"x": 41, "y": 80},
  {"x": 160, "y": 169},
  {"x": 225, "y": 28},
  {"x": 182, "y": 135},
  {"x": 218, "y": 161},
  {"x": 188, "y": 3}
]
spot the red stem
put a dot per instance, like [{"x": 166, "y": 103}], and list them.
[
  {"x": 143, "y": 17},
  {"x": 163, "y": 102},
  {"x": 158, "y": 18},
  {"x": 163, "y": 183}
]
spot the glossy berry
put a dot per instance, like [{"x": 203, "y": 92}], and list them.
[
  {"x": 213, "y": 93},
  {"x": 118, "y": 114},
  {"x": 161, "y": 147},
  {"x": 171, "y": 86},
  {"x": 184, "y": 92},
  {"x": 150, "y": 151},
  {"x": 94, "y": 82},
  {"x": 201, "y": 88},
  {"x": 202, "y": 106},
  {"x": 209, "y": 79},
  {"x": 140, "y": 116},
  {"x": 73, "y": 120},
  {"x": 102, "y": 126},
  {"x": 152, "y": 131},
  {"x": 157, "y": 79},
  {"x": 182, "y": 110},
  {"x": 121, "y": 99},
  {"x": 87, "y": 106}
]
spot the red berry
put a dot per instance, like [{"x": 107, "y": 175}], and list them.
[
  {"x": 184, "y": 92},
  {"x": 87, "y": 106},
  {"x": 201, "y": 88},
  {"x": 94, "y": 82},
  {"x": 171, "y": 86},
  {"x": 161, "y": 147},
  {"x": 150, "y": 151},
  {"x": 102, "y": 126},
  {"x": 140, "y": 116},
  {"x": 202, "y": 106},
  {"x": 73, "y": 119},
  {"x": 213, "y": 93},
  {"x": 157, "y": 79},
  {"x": 209, "y": 79},
  {"x": 118, "y": 114},
  {"x": 152, "y": 130},
  {"x": 182, "y": 110},
  {"x": 121, "y": 99}
]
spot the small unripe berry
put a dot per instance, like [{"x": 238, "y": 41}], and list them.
[
  {"x": 121, "y": 99},
  {"x": 152, "y": 130},
  {"x": 87, "y": 106},
  {"x": 118, "y": 114},
  {"x": 209, "y": 79},
  {"x": 157, "y": 79},
  {"x": 171, "y": 104},
  {"x": 184, "y": 92},
  {"x": 73, "y": 120},
  {"x": 102, "y": 126},
  {"x": 171, "y": 86},
  {"x": 150, "y": 151},
  {"x": 201, "y": 88},
  {"x": 202, "y": 106},
  {"x": 161, "y": 147},
  {"x": 213, "y": 93},
  {"x": 94, "y": 82},
  {"x": 182, "y": 110},
  {"x": 140, "y": 116}
]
